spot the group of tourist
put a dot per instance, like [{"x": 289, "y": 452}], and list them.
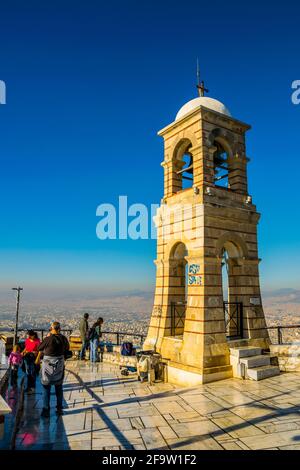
[
  {"x": 53, "y": 351},
  {"x": 47, "y": 358}
]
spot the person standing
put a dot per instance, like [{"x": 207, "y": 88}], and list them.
[
  {"x": 15, "y": 361},
  {"x": 84, "y": 329},
  {"x": 54, "y": 349},
  {"x": 30, "y": 353},
  {"x": 94, "y": 336}
]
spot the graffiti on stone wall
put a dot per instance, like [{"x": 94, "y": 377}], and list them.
[{"x": 194, "y": 278}]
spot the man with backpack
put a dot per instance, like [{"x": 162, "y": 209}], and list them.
[
  {"x": 54, "y": 349},
  {"x": 84, "y": 330}
]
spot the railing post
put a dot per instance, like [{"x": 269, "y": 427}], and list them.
[
  {"x": 118, "y": 339},
  {"x": 278, "y": 335}
]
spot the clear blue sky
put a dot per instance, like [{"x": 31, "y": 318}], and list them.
[{"x": 88, "y": 86}]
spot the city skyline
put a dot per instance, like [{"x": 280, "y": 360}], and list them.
[{"x": 80, "y": 121}]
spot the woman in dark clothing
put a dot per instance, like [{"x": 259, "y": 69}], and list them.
[{"x": 54, "y": 348}]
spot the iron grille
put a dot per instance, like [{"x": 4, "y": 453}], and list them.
[
  {"x": 177, "y": 317},
  {"x": 233, "y": 312}
]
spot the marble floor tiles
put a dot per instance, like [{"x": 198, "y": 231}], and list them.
[{"x": 105, "y": 410}]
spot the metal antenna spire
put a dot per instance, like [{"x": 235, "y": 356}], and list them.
[{"x": 200, "y": 84}]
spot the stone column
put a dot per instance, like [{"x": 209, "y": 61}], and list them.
[{"x": 237, "y": 173}]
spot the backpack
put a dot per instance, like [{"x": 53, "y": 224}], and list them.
[
  {"x": 91, "y": 334},
  {"x": 127, "y": 349},
  {"x": 67, "y": 353}
]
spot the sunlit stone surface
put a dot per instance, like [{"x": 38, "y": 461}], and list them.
[{"x": 105, "y": 410}]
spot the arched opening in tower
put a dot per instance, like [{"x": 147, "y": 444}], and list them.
[
  {"x": 178, "y": 302},
  {"x": 220, "y": 166},
  {"x": 186, "y": 172},
  {"x": 232, "y": 306},
  {"x": 183, "y": 166}
]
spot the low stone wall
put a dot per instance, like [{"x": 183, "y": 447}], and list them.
[
  {"x": 288, "y": 356},
  {"x": 116, "y": 358}
]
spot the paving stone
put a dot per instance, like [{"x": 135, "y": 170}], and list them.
[
  {"x": 121, "y": 424},
  {"x": 73, "y": 422},
  {"x": 237, "y": 427},
  {"x": 204, "y": 442},
  {"x": 139, "y": 446},
  {"x": 136, "y": 423},
  {"x": 271, "y": 440},
  {"x": 169, "y": 408},
  {"x": 132, "y": 436},
  {"x": 101, "y": 444},
  {"x": 80, "y": 445},
  {"x": 83, "y": 436},
  {"x": 255, "y": 413},
  {"x": 111, "y": 413},
  {"x": 242, "y": 445},
  {"x": 153, "y": 439},
  {"x": 279, "y": 427},
  {"x": 188, "y": 417},
  {"x": 112, "y": 448},
  {"x": 195, "y": 398},
  {"x": 291, "y": 447},
  {"x": 138, "y": 411},
  {"x": 228, "y": 445},
  {"x": 153, "y": 421},
  {"x": 167, "y": 432},
  {"x": 168, "y": 417},
  {"x": 195, "y": 428}
]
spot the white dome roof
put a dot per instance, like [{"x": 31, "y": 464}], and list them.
[{"x": 210, "y": 103}]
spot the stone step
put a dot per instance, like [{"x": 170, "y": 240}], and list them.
[
  {"x": 256, "y": 361},
  {"x": 263, "y": 372},
  {"x": 245, "y": 351}
]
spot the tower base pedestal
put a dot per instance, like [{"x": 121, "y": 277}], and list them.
[{"x": 188, "y": 376}]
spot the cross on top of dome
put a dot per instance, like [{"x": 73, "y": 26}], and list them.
[{"x": 200, "y": 83}]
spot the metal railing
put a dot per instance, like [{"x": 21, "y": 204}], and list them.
[
  {"x": 44, "y": 331},
  {"x": 122, "y": 335},
  {"x": 233, "y": 313},
  {"x": 118, "y": 335},
  {"x": 279, "y": 333}
]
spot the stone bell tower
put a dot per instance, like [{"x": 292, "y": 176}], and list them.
[{"x": 207, "y": 295}]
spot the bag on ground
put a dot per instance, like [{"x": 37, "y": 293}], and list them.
[{"x": 127, "y": 349}]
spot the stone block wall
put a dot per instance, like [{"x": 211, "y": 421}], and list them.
[
  {"x": 117, "y": 359},
  {"x": 288, "y": 356}
]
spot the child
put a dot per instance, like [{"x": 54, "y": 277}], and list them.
[{"x": 15, "y": 360}]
